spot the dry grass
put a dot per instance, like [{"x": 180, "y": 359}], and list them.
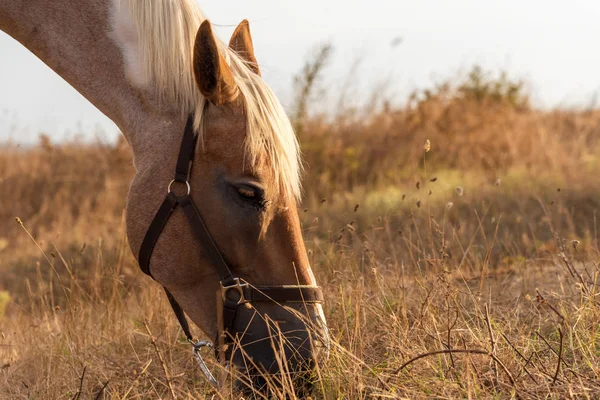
[{"x": 468, "y": 271}]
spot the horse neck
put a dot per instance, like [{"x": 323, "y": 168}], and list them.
[{"x": 73, "y": 38}]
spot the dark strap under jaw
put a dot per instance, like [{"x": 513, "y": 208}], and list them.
[{"x": 234, "y": 291}]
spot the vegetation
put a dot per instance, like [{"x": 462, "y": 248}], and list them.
[{"x": 455, "y": 236}]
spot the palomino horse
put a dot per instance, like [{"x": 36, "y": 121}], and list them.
[{"x": 151, "y": 66}]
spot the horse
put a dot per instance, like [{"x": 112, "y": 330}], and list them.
[{"x": 234, "y": 260}]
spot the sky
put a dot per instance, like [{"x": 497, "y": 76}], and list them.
[{"x": 551, "y": 44}]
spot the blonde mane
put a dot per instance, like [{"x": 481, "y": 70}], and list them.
[{"x": 166, "y": 31}]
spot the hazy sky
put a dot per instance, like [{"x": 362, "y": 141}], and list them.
[{"x": 552, "y": 44}]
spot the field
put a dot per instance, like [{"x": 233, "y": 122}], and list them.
[{"x": 455, "y": 236}]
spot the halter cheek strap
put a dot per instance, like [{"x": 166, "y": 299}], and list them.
[{"x": 233, "y": 291}]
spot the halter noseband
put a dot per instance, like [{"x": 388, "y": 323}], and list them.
[{"x": 234, "y": 291}]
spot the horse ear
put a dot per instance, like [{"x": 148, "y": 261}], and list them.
[
  {"x": 213, "y": 75},
  {"x": 241, "y": 43}
]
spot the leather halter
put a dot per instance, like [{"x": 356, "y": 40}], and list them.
[{"x": 234, "y": 291}]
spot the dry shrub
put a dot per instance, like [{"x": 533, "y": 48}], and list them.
[{"x": 480, "y": 123}]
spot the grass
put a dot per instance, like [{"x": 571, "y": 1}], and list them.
[{"x": 466, "y": 271}]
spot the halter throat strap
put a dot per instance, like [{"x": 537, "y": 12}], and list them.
[{"x": 172, "y": 201}]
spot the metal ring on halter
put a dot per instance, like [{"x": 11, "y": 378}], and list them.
[
  {"x": 238, "y": 286},
  {"x": 173, "y": 181},
  {"x": 196, "y": 349}
]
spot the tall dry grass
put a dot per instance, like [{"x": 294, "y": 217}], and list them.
[{"x": 467, "y": 268}]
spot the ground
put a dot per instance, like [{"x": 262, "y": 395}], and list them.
[{"x": 455, "y": 238}]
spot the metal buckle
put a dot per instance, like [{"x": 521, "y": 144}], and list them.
[
  {"x": 189, "y": 189},
  {"x": 238, "y": 286},
  {"x": 196, "y": 349}
]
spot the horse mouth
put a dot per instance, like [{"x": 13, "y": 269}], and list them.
[{"x": 278, "y": 353}]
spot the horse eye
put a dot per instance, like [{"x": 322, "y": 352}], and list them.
[{"x": 247, "y": 192}]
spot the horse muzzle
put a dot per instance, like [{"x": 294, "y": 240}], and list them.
[{"x": 273, "y": 344}]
